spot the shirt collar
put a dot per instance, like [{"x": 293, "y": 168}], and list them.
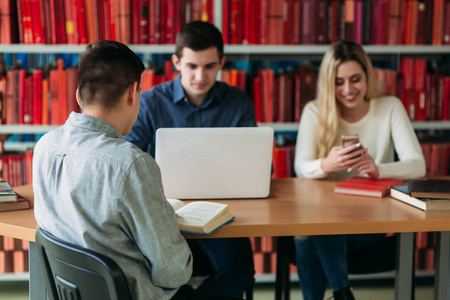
[
  {"x": 92, "y": 123},
  {"x": 178, "y": 92}
]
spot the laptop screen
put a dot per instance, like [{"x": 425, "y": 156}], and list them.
[{"x": 215, "y": 162}]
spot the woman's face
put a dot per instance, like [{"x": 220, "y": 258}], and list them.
[{"x": 350, "y": 85}]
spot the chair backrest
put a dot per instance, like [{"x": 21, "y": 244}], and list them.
[{"x": 72, "y": 272}]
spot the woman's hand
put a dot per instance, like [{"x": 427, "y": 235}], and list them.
[
  {"x": 367, "y": 166},
  {"x": 340, "y": 158}
]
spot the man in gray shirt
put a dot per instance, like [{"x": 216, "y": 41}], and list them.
[{"x": 96, "y": 190}]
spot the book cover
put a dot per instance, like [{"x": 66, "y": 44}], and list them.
[
  {"x": 438, "y": 23},
  {"x": 58, "y": 94},
  {"x": 17, "y": 205},
  {"x": 419, "y": 82},
  {"x": 411, "y": 22},
  {"x": 201, "y": 217},
  {"x": 429, "y": 188},
  {"x": 9, "y": 23},
  {"x": 321, "y": 22},
  {"x": 236, "y": 24},
  {"x": 401, "y": 193},
  {"x": 334, "y": 21},
  {"x": 37, "y": 96},
  {"x": 37, "y": 21},
  {"x": 263, "y": 34},
  {"x": 363, "y": 186},
  {"x": 154, "y": 8},
  {"x": 308, "y": 19},
  {"x": 7, "y": 194}
]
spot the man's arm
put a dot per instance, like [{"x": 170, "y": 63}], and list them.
[{"x": 26, "y": 192}]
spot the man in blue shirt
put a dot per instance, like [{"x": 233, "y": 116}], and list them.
[{"x": 196, "y": 99}]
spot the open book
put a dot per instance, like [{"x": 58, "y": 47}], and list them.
[{"x": 201, "y": 217}]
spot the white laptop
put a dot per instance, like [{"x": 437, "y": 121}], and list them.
[{"x": 215, "y": 162}]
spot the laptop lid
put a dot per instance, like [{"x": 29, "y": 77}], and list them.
[{"x": 215, "y": 162}]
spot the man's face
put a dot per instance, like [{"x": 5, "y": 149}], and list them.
[{"x": 198, "y": 72}]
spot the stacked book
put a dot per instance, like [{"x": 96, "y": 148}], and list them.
[
  {"x": 426, "y": 194},
  {"x": 9, "y": 199}
]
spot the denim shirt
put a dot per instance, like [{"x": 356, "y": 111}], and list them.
[
  {"x": 166, "y": 105},
  {"x": 96, "y": 190}
]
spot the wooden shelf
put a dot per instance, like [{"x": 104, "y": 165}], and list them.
[{"x": 238, "y": 49}]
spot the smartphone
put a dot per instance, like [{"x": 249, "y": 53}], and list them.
[{"x": 348, "y": 140}]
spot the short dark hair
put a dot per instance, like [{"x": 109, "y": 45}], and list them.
[
  {"x": 198, "y": 35},
  {"x": 105, "y": 71}
]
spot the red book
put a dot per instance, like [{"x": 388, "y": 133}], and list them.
[
  {"x": 349, "y": 15},
  {"x": 251, "y": 21},
  {"x": 236, "y": 24},
  {"x": 170, "y": 16},
  {"x": 20, "y": 106},
  {"x": 26, "y": 21},
  {"x": 363, "y": 186},
  {"x": 440, "y": 96},
  {"x": 147, "y": 79},
  {"x": 407, "y": 70},
  {"x": 125, "y": 16},
  {"x": 412, "y": 15},
  {"x": 420, "y": 71},
  {"x": 72, "y": 85},
  {"x": 410, "y": 99},
  {"x": 308, "y": 32},
  {"x": 257, "y": 99},
  {"x": 28, "y": 101},
  {"x": 359, "y": 17},
  {"x": 71, "y": 21},
  {"x": 264, "y": 32},
  {"x": 2, "y": 101},
  {"x": 294, "y": 22},
  {"x": 438, "y": 23},
  {"x": 427, "y": 23},
  {"x": 307, "y": 75},
  {"x": 154, "y": 8},
  {"x": 9, "y": 22},
  {"x": 91, "y": 22},
  {"x": 446, "y": 99},
  {"x": 394, "y": 20},
  {"x": 321, "y": 22},
  {"x": 378, "y": 11},
  {"x": 446, "y": 30},
  {"x": 284, "y": 95},
  {"x": 9, "y": 98},
  {"x": 143, "y": 28},
  {"x": 60, "y": 21},
  {"x": 135, "y": 21},
  {"x": 58, "y": 94},
  {"x": 226, "y": 21},
  {"x": 81, "y": 22},
  {"x": 37, "y": 96},
  {"x": 45, "y": 101},
  {"x": 335, "y": 21},
  {"x": 37, "y": 13}
]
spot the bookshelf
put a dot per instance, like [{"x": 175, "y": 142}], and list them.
[{"x": 233, "y": 52}]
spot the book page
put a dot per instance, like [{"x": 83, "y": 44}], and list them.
[
  {"x": 176, "y": 203},
  {"x": 199, "y": 213}
]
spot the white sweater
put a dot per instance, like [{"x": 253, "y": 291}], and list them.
[{"x": 385, "y": 126}]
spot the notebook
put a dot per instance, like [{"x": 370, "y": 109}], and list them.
[{"x": 215, "y": 162}]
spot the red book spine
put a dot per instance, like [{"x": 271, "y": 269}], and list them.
[
  {"x": 236, "y": 25},
  {"x": 359, "y": 21},
  {"x": 420, "y": 70},
  {"x": 126, "y": 14},
  {"x": 154, "y": 21},
  {"x": 143, "y": 28},
  {"x": 446, "y": 99},
  {"x": 112, "y": 19},
  {"x": 136, "y": 12},
  {"x": 90, "y": 22},
  {"x": 81, "y": 22},
  {"x": 334, "y": 25},
  {"x": 28, "y": 101},
  {"x": 257, "y": 98},
  {"x": 37, "y": 22},
  {"x": 60, "y": 22},
  {"x": 226, "y": 21},
  {"x": 440, "y": 97},
  {"x": 446, "y": 30},
  {"x": 264, "y": 24},
  {"x": 71, "y": 22},
  {"x": 37, "y": 97},
  {"x": 294, "y": 22},
  {"x": 9, "y": 22},
  {"x": 350, "y": 7},
  {"x": 170, "y": 22},
  {"x": 22, "y": 91},
  {"x": 438, "y": 22},
  {"x": 308, "y": 31},
  {"x": 412, "y": 14},
  {"x": 27, "y": 23},
  {"x": 321, "y": 22},
  {"x": 428, "y": 21},
  {"x": 20, "y": 21}
]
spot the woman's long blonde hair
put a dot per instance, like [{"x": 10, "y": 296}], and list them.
[{"x": 329, "y": 112}]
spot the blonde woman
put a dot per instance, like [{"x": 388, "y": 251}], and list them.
[{"x": 348, "y": 102}]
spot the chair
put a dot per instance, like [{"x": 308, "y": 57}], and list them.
[
  {"x": 377, "y": 258},
  {"x": 72, "y": 272}
]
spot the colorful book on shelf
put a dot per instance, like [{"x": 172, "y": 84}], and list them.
[
  {"x": 7, "y": 194},
  {"x": 429, "y": 188},
  {"x": 308, "y": 19},
  {"x": 9, "y": 23},
  {"x": 402, "y": 193},
  {"x": 363, "y": 186},
  {"x": 438, "y": 23},
  {"x": 201, "y": 217}
]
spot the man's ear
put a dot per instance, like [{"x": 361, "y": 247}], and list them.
[
  {"x": 77, "y": 95},
  {"x": 132, "y": 91},
  {"x": 222, "y": 62},
  {"x": 176, "y": 62}
]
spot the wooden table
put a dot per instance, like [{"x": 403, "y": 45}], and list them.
[{"x": 298, "y": 206}]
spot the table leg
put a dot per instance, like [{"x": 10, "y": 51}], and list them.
[
  {"x": 404, "y": 277},
  {"x": 442, "y": 267},
  {"x": 37, "y": 285}
]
